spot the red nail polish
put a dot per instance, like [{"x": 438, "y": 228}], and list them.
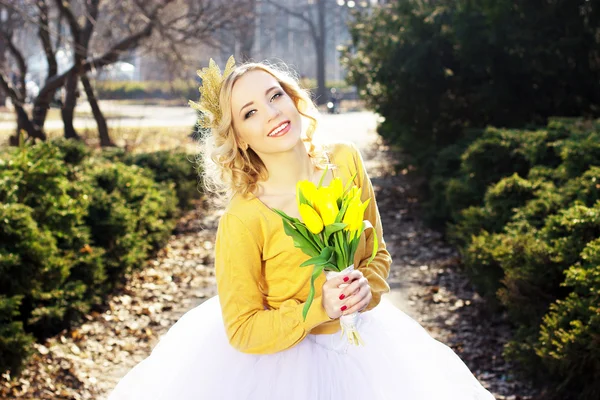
[
  {"x": 342, "y": 296},
  {"x": 346, "y": 279},
  {"x": 343, "y": 308}
]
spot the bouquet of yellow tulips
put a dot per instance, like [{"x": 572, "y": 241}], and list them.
[{"x": 332, "y": 222}]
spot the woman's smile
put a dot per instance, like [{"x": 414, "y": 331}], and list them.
[{"x": 280, "y": 130}]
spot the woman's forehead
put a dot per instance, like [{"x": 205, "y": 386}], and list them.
[{"x": 251, "y": 85}]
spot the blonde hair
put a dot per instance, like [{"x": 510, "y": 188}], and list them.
[{"x": 227, "y": 169}]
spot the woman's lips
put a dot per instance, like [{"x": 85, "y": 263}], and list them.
[{"x": 281, "y": 130}]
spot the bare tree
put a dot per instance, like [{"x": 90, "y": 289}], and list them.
[
  {"x": 12, "y": 82},
  {"x": 245, "y": 32},
  {"x": 81, "y": 39},
  {"x": 318, "y": 31},
  {"x": 115, "y": 30}
]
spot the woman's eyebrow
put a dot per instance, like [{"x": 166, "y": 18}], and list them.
[{"x": 250, "y": 103}]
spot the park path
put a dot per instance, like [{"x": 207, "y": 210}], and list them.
[{"x": 425, "y": 280}]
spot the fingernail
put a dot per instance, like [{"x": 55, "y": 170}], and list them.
[
  {"x": 342, "y": 296},
  {"x": 346, "y": 279},
  {"x": 343, "y": 308}
]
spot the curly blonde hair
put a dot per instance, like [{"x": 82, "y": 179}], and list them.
[{"x": 227, "y": 168}]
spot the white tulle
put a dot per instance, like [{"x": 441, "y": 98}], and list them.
[{"x": 400, "y": 361}]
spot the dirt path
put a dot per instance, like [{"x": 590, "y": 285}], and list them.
[{"x": 425, "y": 278}]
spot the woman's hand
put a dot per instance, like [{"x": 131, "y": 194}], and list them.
[
  {"x": 357, "y": 294},
  {"x": 342, "y": 297}
]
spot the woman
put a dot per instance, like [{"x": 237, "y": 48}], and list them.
[{"x": 251, "y": 341}]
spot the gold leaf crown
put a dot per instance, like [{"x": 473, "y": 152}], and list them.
[{"x": 212, "y": 80}]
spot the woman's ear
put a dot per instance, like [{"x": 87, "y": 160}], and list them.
[{"x": 243, "y": 145}]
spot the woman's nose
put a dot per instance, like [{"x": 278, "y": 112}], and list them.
[{"x": 273, "y": 111}]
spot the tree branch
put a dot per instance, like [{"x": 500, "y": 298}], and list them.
[
  {"x": 16, "y": 53},
  {"x": 291, "y": 12},
  {"x": 44, "y": 35}
]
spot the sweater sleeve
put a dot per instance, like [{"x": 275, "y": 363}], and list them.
[
  {"x": 250, "y": 327},
  {"x": 378, "y": 270}
]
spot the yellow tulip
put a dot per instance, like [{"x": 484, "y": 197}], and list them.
[
  {"x": 354, "y": 216},
  {"x": 311, "y": 219},
  {"x": 308, "y": 190},
  {"x": 326, "y": 205},
  {"x": 337, "y": 188}
]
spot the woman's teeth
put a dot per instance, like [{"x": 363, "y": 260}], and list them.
[{"x": 276, "y": 131}]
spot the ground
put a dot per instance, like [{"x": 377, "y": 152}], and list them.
[{"x": 426, "y": 282}]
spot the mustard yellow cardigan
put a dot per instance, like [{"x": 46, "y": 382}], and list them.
[{"x": 261, "y": 287}]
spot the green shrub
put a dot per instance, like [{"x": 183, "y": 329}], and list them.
[
  {"x": 481, "y": 259},
  {"x": 15, "y": 344},
  {"x": 580, "y": 152},
  {"x": 584, "y": 189},
  {"x": 540, "y": 148},
  {"x": 508, "y": 195},
  {"x": 129, "y": 215},
  {"x": 461, "y": 193},
  {"x": 568, "y": 341},
  {"x": 531, "y": 275},
  {"x": 72, "y": 225},
  {"x": 56, "y": 197},
  {"x": 472, "y": 221},
  {"x": 548, "y": 201},
  {"x": 171, "y": 167},
  {"x": 446, "y": 166},
  {"x": 570, "y": 230},
  {"x": 492, "y": 157}
]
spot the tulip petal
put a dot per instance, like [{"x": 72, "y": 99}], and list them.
[{"x": 311, "y": 219}]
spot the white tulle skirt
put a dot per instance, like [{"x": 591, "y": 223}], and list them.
[{"x": 399, "y": 361}]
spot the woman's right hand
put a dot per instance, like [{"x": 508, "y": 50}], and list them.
[{"x": 332, "y": 289}]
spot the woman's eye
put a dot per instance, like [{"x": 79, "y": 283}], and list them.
[
  {"x": 251, "y": 112},
  {"x": 276, "y": 95}
]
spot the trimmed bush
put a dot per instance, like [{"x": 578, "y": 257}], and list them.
[
  {"x": 481, "y": 260},
  {"x": 171, "y": 167},
  {"x": 73, "y": 224},
  {"x": 580, "y": 152},
  {"x": 519, "y": 236},
  {"x": 568, "y": 343},
  {"x": 15, "y": 344},
  {"x": 129, "y": 215}
]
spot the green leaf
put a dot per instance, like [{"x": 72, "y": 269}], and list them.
[
  {"x": 309, "y": 236},
  {"x": 367, "y": 225},
  {"x": 300, "y": 241},
  {"x": 285, "y": 216},
  {"x": 349, "y": 184},
  {"x": 323, "y": 176},
  {"x": 326, "y": 254},
  {"x": 318, "y": 270},
  {"x": 333, "y": 228}
]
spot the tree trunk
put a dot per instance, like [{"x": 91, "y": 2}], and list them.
[
  {"x": 100, "y": 120},
  {"x": 320, "y": 40},
  {"x": 68, "y": 108},
  {"x": 2, "y": 61},
  {"x": 23, "y": 121},
  {"x": 246, "y": 32}
]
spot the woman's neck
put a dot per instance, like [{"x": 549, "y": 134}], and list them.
[{"x": 285, "y": 170}]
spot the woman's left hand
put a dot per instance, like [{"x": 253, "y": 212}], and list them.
[{"x": 357, "y": 293}]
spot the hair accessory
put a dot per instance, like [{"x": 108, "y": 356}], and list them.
[{"x": 212, "y": 80}]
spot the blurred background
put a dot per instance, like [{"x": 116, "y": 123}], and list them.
[{"x": 489, "y": 108}]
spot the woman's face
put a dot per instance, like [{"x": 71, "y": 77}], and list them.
[{"x": 264, "y": 116}]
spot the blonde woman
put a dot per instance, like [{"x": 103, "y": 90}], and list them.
[{"x": 251, "y": 341}]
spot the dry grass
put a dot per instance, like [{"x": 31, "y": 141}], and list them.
[{"x": 133, "y": 139}]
